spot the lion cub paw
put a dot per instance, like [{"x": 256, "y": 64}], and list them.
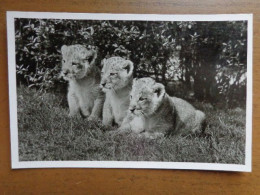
[
  {"x": 93, "y": 118},
  {"x": 124, "y": 128}
]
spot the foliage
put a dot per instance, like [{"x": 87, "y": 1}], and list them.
[
  {"x": 214, "y": 56},
  {"x": 208, "y": 58}
]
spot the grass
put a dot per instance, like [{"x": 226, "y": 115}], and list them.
[{"x": 46, "y": 133}]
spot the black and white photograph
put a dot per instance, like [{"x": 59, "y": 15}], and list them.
[{"x": 130, "y": 90}]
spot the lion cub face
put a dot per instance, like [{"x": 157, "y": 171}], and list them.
[
  {"x": 116, "y": 73},
  {"x": 146, "y": 96},
  {"x": 76, "y": 61}
]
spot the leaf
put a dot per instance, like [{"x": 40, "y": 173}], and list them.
[
  {"x": 31, "y": 85},
  {"x": 91, "y": 30}
]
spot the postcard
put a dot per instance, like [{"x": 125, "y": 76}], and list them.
[{"x": 130, "y": 90}]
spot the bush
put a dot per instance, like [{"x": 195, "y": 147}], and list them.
[{"x": 209, "y": 58}]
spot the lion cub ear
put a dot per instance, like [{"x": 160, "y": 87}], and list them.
[
  {"x": 64, "y": 49},
  {"x": 94, "y": 57},
  {"x": 134, "y": 80},
  {"x": 159, "y": 90},
  {"x": 134, "y": 83},
  {"x": 103, "y": 62},
  {"x": 129, "y": 67}
]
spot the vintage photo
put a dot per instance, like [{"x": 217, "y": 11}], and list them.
[{"x": 130, "y": 91}]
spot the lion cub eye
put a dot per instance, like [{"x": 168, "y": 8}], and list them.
[
  {"x": 88, "y": 60},
  {"x": 142, "y": 99},
  {"x": 63, "y": 61},
  {"x": 77, "y": 65},
  {"x": 113, "y": 74}
]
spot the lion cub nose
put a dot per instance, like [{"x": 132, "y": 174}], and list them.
[
  {"x": 65, "y": 72},
  {"x": 132, "y": 109},
  {"x": 103, "y": 84}
]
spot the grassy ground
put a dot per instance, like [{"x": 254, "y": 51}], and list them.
[{"x": 47, "y": 133}]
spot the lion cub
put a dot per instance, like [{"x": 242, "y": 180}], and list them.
[
  {"x": 158, "y": 113},
  {"x": 116, "y": 82},
  {"x": 84, "y": 93}
]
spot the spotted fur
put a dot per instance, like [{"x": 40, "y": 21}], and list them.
[
  {"x": 116, "y": 82},
  {"x": 159, "y": 113},
  {"x": 79, "y": 69}
]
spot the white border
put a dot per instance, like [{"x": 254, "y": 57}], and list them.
[{"x": 125, "y": 164}]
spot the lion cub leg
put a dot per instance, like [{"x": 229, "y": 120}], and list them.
[
  {"x": 125, "y": 125},
  {"x": 97, "y": 109},
  {"x": 157, "y": 130},
  {"x": 107, "y": 114},
  {"x": 132, "y": 123},
  {"x": 84, "y": 108},
  {"x": 73, "y": 104},
  {"x": 200, "y": 119}
]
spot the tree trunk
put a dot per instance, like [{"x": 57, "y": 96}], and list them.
[{"x": 198, "y": 88}]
